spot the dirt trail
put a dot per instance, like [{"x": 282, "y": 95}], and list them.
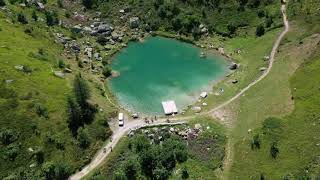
[{"x": 120, "y": 132}]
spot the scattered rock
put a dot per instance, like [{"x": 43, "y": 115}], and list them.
[
  {"x": 235, "y": 81},
  {"x": 266, "y": 58},
  {"x": 263, "y": 69},
  {"x": 233, "y": 66},
  {"x": 9, "y": 81},
  {"x": 19, "y": 67},
  {"x": 221, "y": 50},
  {"x": 197, "y": 126},
  {"x": 135, "y": 115},
  {"x": 197, "y": 109},
  {"x": 67, "y": 70},
  {"x": 59, "y": 74}
]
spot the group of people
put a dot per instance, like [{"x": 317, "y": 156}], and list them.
[{"x": 146, "y": 120}]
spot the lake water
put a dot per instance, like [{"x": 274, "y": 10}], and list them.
[{"x": 161, "y": 69}]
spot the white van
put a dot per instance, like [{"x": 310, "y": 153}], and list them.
[{"x": 121, "y": 119}]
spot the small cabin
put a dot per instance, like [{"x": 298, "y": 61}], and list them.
[{"x": 169, "y": 107}]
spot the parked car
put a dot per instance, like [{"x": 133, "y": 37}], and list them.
[{"x": 121, "y": 119}]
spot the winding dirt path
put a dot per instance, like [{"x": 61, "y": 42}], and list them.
[{"x": 136, "y": 124}]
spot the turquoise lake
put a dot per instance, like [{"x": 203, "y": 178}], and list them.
[{"x": 161, "y": 69}]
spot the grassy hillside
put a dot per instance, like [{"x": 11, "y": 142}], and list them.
[
  {"x": 276, "y": 112},
  {"x": 35, "y": 140}
]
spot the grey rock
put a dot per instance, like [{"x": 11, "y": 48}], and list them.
[
  {"x": 59, "y": 74},
  {"x": 19, "y": 67},
  {"x": 134, "y": 22},
  {"x": 104, "y": 28},
  {"x": 233, "y": 66}
]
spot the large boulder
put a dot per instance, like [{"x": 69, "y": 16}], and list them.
[
  {"x": 233, "y": 66},
  {"x": 104, "y": 28},
  {"x": 134, "y": 22}
]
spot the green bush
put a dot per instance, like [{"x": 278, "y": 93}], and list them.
[
  {"x": 2, "y": 3},
  {"x": 107, "y": 72},
  {"x": 22, "y": 18},
  {"x": 42, "y": 111},
  {"x": 61, "y": 63},
  {"x": 8, "y": 136},
  {"x": 260, "y": 30}
]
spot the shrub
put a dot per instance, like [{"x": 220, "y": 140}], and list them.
[
  {"x": 2, "y": 3},
  {"x": 88, "y": 3},
  {"x": 61, "y": 63},
  {"x": 22, "y": 18},
  {"x": 60, "y": 3},
  {"x": 274, "y": 150},
  {"x": 12, "y": 152},
  {"x": 260, "y": 30},
  {"x": 39, "y": 155},
  {"x": 34, "y": 16},
  {"x": 27, "y": 69},
  {"x": 184, "y": 173},
  {"x": 42, "y": 111},
  {"x": 106, "y": 71},
  {"x": 256, "y": 142},
  {"x": 8, "y": 136},
  {"x": 83, "y": 138},
  {"x": 51, "y": 18}
]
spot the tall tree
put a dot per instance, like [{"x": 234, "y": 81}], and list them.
[
  {"x": 74, "y": 116},
  {"x": 81, "y": 91}
]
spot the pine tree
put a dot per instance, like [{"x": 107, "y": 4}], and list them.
[
  {"x": 81, "y": 91},
  {"x": 74, "y": 116}
]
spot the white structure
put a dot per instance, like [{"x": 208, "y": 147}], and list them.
[
  {"x": 169, "y": 107},
  {"x": 204, "y": 94}
]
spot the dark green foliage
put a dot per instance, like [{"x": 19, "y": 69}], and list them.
[
  {"x": 256, "y": 142},
  {"x": 102, "y": 40},
  {"x": 74, "y": 116},
  {"x": 106, "y": 71},
  {"x": 272, "y": 126},
  {"x": 22, "y": 18},
  {"x": 274, "y": 150},
  {"x": 42, "y": 111},
  {"x": 88, "y": 3},
  {"x": 60, "y": 3},
  {"x": 184, "y": 173},
  {"x": 131, "y": 168},
  {"x": 8, "y": 136},
  {"x": 2, "y": 3},
  {"x": 61, "y": 63},
  {"x": 80, "y": 111},
  {"x": 34, "y": 16},
  {"x": 83, "y": 138},
  {"x": 11, "y": 152},
  {"x": 260, "y": 30},
  {"x": 52, "y": 18},
  {"x": 81, "y": 91},
  {"x": 57, "y": 171},
  {"x": 269, "y": 22},
  {"x": 157, "y": 160},
  {"x": 39, "y": 155}
]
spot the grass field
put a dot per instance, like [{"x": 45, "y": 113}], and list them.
[
  {"x": 279, "y": 96},
  {"x": 36, "y": 111}
]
